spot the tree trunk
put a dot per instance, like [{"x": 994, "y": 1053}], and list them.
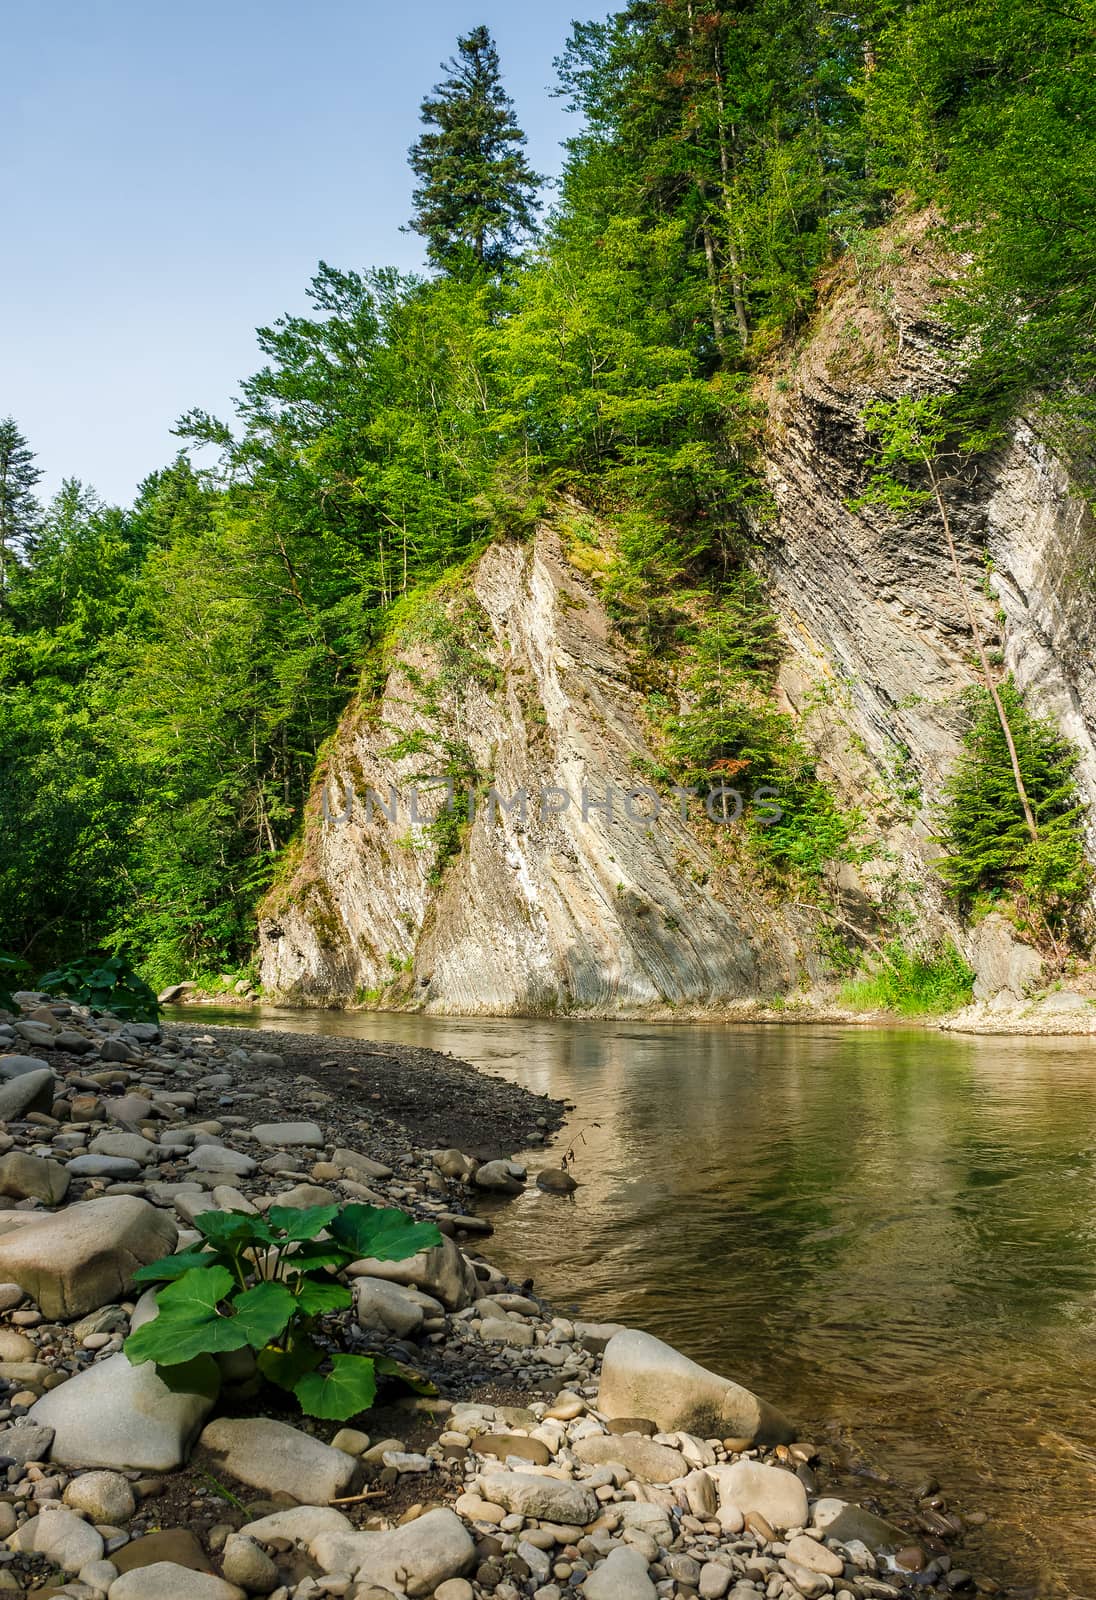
[
  {"x": 737, "y": 289},
  {"x": 719, "y": 329}
]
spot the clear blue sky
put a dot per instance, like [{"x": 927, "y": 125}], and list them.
[{"x": 173, "y": 172}]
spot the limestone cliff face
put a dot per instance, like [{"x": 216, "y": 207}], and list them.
[
  {"x": 557, "y": 911},
  {"x": 516, "y": 680},
  {"x": 880, "y": 650}
]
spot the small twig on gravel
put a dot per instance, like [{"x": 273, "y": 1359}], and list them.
[{"x": 353, "y": 1499}]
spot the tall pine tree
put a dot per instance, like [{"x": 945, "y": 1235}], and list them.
[
  {"x": 477, "y": 197},
  {"x": 19, "y": 510}
]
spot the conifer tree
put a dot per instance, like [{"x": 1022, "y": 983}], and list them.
[
  {"x": 477, "y": 194},
  {"x": 19, "y": 510}
]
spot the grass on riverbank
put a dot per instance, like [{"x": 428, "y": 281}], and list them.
[{"x": 912, "y": 983}]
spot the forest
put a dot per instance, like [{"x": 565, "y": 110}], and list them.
[{"x": 171, "y": 669}]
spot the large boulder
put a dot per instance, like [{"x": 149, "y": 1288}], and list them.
[
  {"x": 643, "y": 1377},
  {"x": 1002, "y": 963},
  {"x": 503, "y": 1177},
  {"x": 411, "y": 1560},
  {"x": 16, "y": 1066},
  {"x": 85, "y": 1256},
  {"x": 26, "y": 1091},
  {"x": 771, "y": 1492},
  {"x": 27, "y": 1177},
  {"x": 114, "y": 1414},
  {"x": 441, "y": 1271},
  {"x": 279, "y": 1459},
  {"x": 61, "y": 1536},
  {"x": 388, "y": 1306},
  {"x": 164, "y": 1580}
]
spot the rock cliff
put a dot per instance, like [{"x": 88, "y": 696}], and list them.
[
  {"x": 514, "y": 679},
  {"x": 517, "y": 682},
  {"x": 879, "y": 647}
]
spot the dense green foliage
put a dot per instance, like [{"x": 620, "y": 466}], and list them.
[
  {"x": 264, "y": 1283},
  {"x": 989, "y": 849},
  {"x": 913, "y": 983},
  {"x": 988, "y": 108},
  {"x": 170, "y": 671}
]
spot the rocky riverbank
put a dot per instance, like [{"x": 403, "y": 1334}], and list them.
[{"x": 559, "y": 1460}]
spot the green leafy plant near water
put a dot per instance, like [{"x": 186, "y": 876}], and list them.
[
  {"x": 263, "y": 1282},
  {"x": 106, "y": 983},
  {"x": 913, "y": 983}
]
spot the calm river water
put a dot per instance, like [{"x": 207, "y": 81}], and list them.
[{"x": 890, "y": 1234}]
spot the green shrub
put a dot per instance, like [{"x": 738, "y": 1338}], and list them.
[
  {"x": 913, "y": 984},
  {"x": 106, "y": 983},
  {"x": 732, "y": 733},
  {"x": 989, "y": 848},
  {"x": 14, "y": 973},
  {"x": 264, "y": 1282}
]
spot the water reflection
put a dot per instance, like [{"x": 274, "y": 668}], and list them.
[{"x": 890, "y": 1231}]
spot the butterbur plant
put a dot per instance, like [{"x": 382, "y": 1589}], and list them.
[
  {"x": 106, "y": 983},
  {"x": 264, "y": 1282}
]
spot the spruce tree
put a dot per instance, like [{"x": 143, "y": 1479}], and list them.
[
  {"x": 477, "y": 195},
  {"x": 19, "y": 510}
]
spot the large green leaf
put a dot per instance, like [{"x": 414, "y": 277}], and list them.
[
  {"x": 311, "y": 1257},
  {"x": 188, "y": 1322},
  {"x": 315, "y": 1297},
  {"x": 301, "y": 1222},
  {"x": 287, "y": 1367},
  {"x": 383, "y": 1232},
  {"x": 348, "y": 1388},
  {"x": 263, "y": 1312},
  {"x": 169, "y": 1267},
  {"x": 233, "y": 1230},
  {"x": 198, "y": 1291}
]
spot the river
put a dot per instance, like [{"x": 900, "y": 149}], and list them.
[{"x": 889, "y": 1233}]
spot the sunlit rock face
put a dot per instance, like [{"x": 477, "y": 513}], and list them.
[
  {"x": 517, "y": 680},
  {"x": 568, "y": 908}
]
